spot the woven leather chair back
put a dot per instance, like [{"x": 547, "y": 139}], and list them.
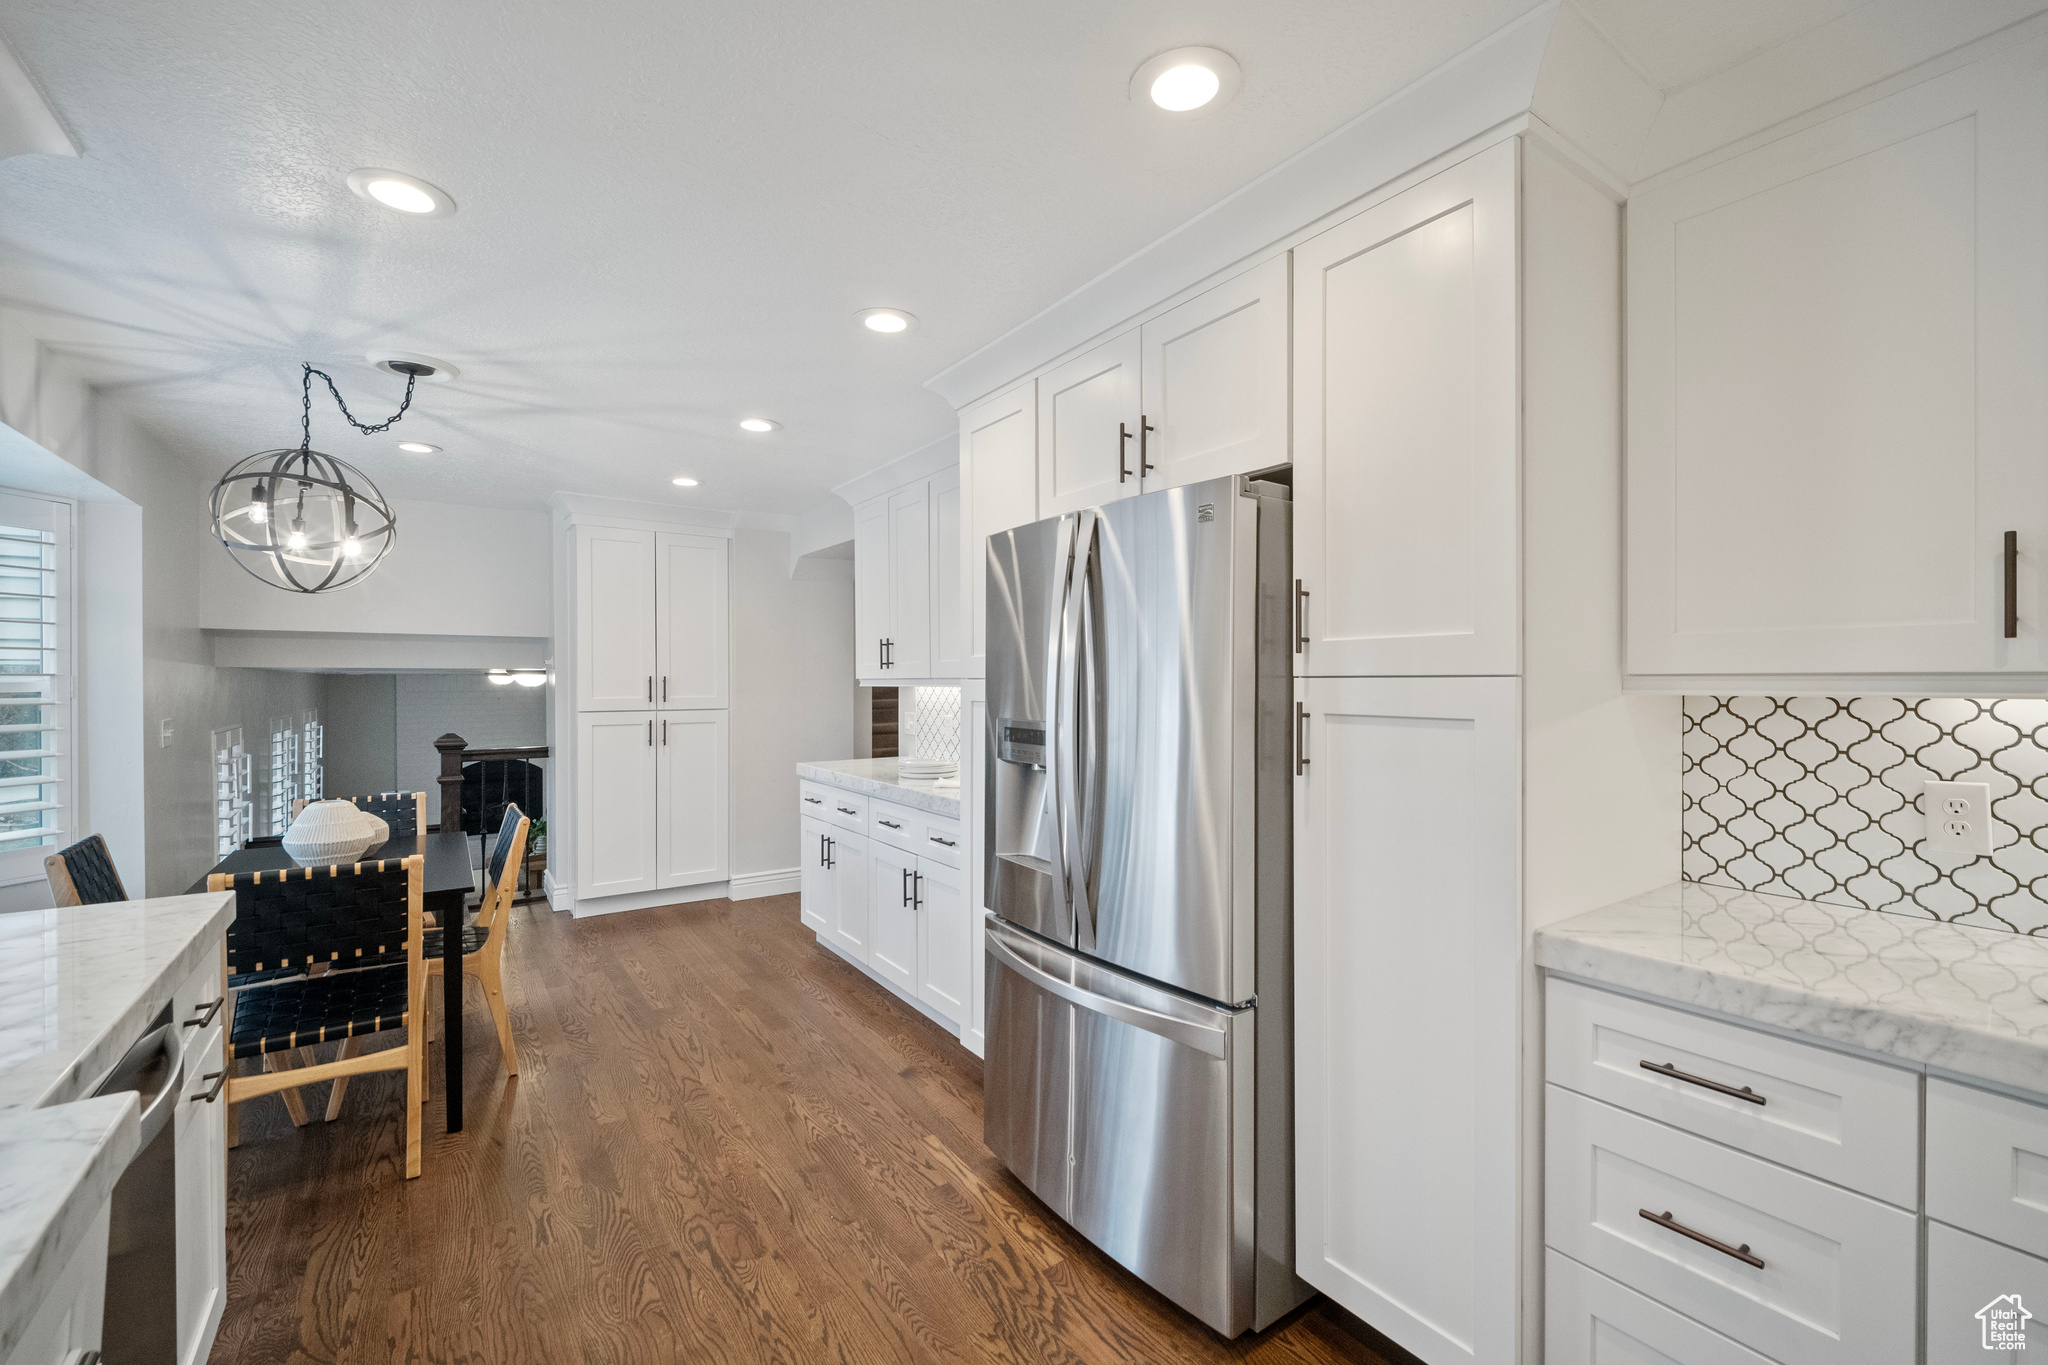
[
  {"x": 400, "y": 810},
  {"x": 92, "y": 873},
  {"x": 508, "y": 834},
  {"x": 354, "y": 915}
]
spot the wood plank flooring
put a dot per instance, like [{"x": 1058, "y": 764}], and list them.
[{"x": 727, "y": 1146}]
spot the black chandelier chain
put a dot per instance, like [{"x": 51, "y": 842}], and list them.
[{"x": 306, "y": 407}]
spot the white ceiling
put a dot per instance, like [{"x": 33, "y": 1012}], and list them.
[
  {"x": 669, "y": 212},
  {"x": 1674, "y": 43}
]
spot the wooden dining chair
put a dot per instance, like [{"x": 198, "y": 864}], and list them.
[
  {"x": 84, "y": 874},
  {"x": 365, "y": 923},
  {"x": 483, "y": 942}
]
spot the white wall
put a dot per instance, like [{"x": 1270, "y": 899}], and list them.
[
  {"x": 487, "y": 715},
  {"x": 792, "y": 693}
]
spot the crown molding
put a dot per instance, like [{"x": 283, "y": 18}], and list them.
[{"x": 921, "y": 463}]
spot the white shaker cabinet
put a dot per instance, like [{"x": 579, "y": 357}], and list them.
[
  {"x": 1407, "y": 951},
  {"x": 895, "y": 599},
  {"x": 892, "y": 915},
  {"x": 998, "y": 490},
  {"x": 691, "y": 593},
  {"x": 617, "y": 820},
  {"x": 949, "y": 938},
  {"x": 910, "y": 582},
  {"x": 200, "y": 1134},
  {"x": 690, "y": 798},
  {"x": 1215, "y": 377},
  {"x": 617, "y": 657},
  {"x": 1835, "y": 410},
  {"x": 1406, "y": 436},
  {"x": 846, "y": 860},
  {"x": 949, "y": 596},
  {"x": 873, "y": 596},
  {"x": 815, "y": 882},
  {"x": 1088, "y": 428}
]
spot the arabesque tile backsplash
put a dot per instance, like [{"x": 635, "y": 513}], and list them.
[{"x": 1819, "y": 797}]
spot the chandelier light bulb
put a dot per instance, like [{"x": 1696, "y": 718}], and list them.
[
  {"x": 258, "y": 513},
  {"x": 295, "y": 541},
  {"x": 501, "y": 677},
  {"x": 352, "y": 548},
  {"x": 529, "y": 679}
]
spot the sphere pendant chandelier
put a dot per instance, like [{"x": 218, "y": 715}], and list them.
[{"x": 304, "y": 521}]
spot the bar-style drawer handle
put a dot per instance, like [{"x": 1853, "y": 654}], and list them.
[
  {"x": 212, "y": 1011},
  {"x": 888, "y": 824},
  {"x": 947, "y": 842},
  {"x": 815, "y": 800},
  {"x": 219, "y": 1079},
  {"x": 1301, "y": 714},
  {"x": 846, "y": 810},
  {"x": 1666, "y": 1069},
  {"x": 1741, "y": 1253}
]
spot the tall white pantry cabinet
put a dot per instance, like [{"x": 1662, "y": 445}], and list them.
[{"x": 648, "y": 681}]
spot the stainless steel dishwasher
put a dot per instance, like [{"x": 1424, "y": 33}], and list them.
[{"x": 141, "y": 1323}]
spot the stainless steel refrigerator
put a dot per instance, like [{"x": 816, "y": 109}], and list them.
[{"x": 1139, "y": 885}]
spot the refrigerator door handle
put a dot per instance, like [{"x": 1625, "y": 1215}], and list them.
[
  {"x": 1064, "y": 712},
  {"x": 1214, "y": 1041}
]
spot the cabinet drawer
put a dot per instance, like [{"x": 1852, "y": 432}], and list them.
[
  {"x": 1967, "y": 1276},
  {"x": 1842, "y": 1118},
  {"x": 835, "y": 806},
  {"x": 1987, "y": 1165},
  {"x": 939, "y": 840},
  {"x": 1589, "y": 1319},
  {"x": 894, "y": 824},
  {"x": 1838, "y": 1278}
]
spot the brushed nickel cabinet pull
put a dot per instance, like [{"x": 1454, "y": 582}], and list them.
[
  {"x": 2012, "y": 585},
  {"x": 846, "y": 810},
  {"x": 947, "y": 842},
  {"x": 1145, "y": 465},
  {"x": 830, "y": 859},
  {"x": 888, "y": 824},
  {"x": 1666, "y": 1221},
  {"x": 1300, "y": 739},
  {"x": 815, "y": 800},
  {"x": 1123, "y": 440},
  {"x": 664, "y": 732},
  {"x": 211, "y": 1008},
  {"x": 650, "y": 734},
  {"x": 906, "y": 886},
  {"x": 1667, "y": 1069},
  {"x": 664, "y": 687},
  {"x": 917, "y": 890},
  {"x": 219, "y": 1079},
  {"x": 1300, "y": 617},
  {"x": 650, "y": 687}
]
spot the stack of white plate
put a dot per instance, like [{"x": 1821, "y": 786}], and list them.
[{"x": 926, "y": 769}]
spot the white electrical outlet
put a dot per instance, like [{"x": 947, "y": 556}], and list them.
[
  {"x": 163, "y": 734},
  {"x": 1958, "y": 817}
]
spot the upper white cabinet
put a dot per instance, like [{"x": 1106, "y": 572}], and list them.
[
  {"x": 689, "y": 621},
  {"x": 616, "y": 652},
  {"x": 1214, "y": 373},
  {"x": 998, "y": 490},
  {"x": 906, "y": 618},
  {"x": 1835, "y": 408},
  {"x": 1406, "y": 446},
  {"x": 650, "y": 625},
  {"x": 1196, "y": 393}
]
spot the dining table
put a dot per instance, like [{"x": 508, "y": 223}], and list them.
[{"x": 446, "y": 881}]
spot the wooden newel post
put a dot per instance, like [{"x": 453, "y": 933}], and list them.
[{"x": 451, "y": 747}]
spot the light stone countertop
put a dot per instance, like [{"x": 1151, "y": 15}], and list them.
[
  {"x": 1959, "y": 998},
  {"x": 877, "y": 777},
  {"x": 57, "y": 1170},
  {"x": 78, "y": 985}
]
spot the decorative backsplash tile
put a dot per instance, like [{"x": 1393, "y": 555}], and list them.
[
  {"x": 930, "y": 723},
  {"x": 1819, "y": 797}
]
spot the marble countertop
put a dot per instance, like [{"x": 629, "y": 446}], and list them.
[
  {"x": 1966, "y": 1000},
  {"x": 877, "y": 777},
  {"x": 61, "y": 1165},
  {"x": 78, "y": 984}
]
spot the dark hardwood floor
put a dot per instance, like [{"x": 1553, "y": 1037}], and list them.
[{"x": 726, "y": 1145}]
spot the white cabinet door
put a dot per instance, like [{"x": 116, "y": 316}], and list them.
[
  {"x": 847, "y": 860},
  {"x": 1406, "y": 431},
  {"x": 973, "y": 768},
  {"x": 1835, "y": 409},
  {"x": 892, "y": 915},
  {"x": 1215, "y": 378},
  {"x": 949, "y": 584},
  {"x": 944, "y": 979},
  {"x": 1088, "y": 428},
  {"x": 690, "y": 616},
  {"x": 1982, "y": 1298},
  {"x": 1987, "y": 1164},
  {"x": 910, "y": 582},
  {"x": 815, "y": 880},
  {"x": 616, "y": 661},
  {"x": 617, "y": 829},
  {"x": 998, "y": 490},
  {"x": 202, "y": 1198},
  {"x": 871, "y": 593},
  {"x": 690, "y": 748},
  {"x": 1407, "y": 948}
]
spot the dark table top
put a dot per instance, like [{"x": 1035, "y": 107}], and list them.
[{"x": 447, "y": 858}]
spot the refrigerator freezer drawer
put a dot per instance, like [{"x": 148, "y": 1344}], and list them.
[{"x": 1129, "y": 1110}]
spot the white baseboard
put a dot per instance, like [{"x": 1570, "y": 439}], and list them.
[
  {"x": 926, "y": 1010},
  {"x": 648, "y": 900},
  {"x": 559, "y": 897},
  {"x": 782, "y": 881}
]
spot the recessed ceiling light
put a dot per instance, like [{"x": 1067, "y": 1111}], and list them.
[
  {"x": 1187, "y": 79},
  {"x": 888, "y": 321},
  {"x": 684, "y": 483},
  {"x": 418, "y": 448},
  {"x": 405, "y": 193},
  {"x": 757, "y": 424}
]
